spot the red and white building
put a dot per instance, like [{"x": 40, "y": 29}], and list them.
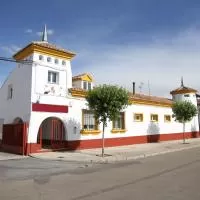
[{"x": 48, "y": 106}]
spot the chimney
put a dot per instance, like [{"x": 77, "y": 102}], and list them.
[{"x": 133, "y": 88}]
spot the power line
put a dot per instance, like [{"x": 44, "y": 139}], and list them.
[
  {"x": 29, "y": 62},
  {"x": 15, "y": 61}
]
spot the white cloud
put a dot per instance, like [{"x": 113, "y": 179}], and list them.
[
  {"x": 49, "y": 32},
  {"x": 10, "y": 50},
  {"x": 39, "y": 33},
  {"x": 28, "y": 31},
  {"x": 162, "y": 62}
]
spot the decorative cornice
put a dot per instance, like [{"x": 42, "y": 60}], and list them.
[
  {"x": 43, "y": 48},
  {"x": 134, "y": 99},
  {"x": 149, "y": 100},
  {"x": 150, "y": 103}
]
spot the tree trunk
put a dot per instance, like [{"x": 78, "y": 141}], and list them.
[
  {"x": 183, "y": 133},
  {"x": 103, "y": 140}
]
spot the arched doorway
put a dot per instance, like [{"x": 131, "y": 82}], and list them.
[{"x": 51, "y": 134}]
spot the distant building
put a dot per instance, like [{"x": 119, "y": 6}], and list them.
[{"x": 42, "y": 93}]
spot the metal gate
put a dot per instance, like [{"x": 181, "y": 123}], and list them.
[
  {"x": 14, "y": 138},
  {"x": 57, "y": 134}
]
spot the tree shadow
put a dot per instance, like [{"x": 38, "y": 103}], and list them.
[
  {"x": 195, "y": 133},
  {"x": 73, "y": 129},
  {"x": 153, "y": 132}
]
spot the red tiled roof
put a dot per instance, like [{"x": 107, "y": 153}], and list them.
[
  {"x": 182, "y": 90},
  {"x": 143, "y": 97},
  {"x": 51, "y": 46},
  {"x": 46, "y": 45}
]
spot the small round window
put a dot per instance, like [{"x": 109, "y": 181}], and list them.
[
  {"x": 63, "y": 62},
  {"x": 48, "y": 59},
  {"x": 56, "y": 61},
  {"x": 41, "y": 57}
]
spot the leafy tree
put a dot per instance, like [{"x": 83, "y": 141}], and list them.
[
  {"x": 184, "y": 111},
  {"x": 107, "y": 101}
]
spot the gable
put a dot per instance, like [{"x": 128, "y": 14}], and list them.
[{"x": 87, "y": 77}]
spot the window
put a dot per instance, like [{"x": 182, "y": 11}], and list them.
[
  {"x": 56, "y": 61},
  {"x": 10, "y": 91},
  {"x": 53, "y": 77},
  {"x": 89, "y": 86},
  {"x": 186, "y": 95},
  {"x": 48, "y": 59},
  {"x": 89, "y": 121},
  {"x": 154, "y": 117},
  {"x": 63, "y": 62},
  {"x": 85, "y": 85},
  {"x": 41, "y": 57},
  {"x": 138, "y": 117},
  {"x": 167, "y": 118},
  {"x": 120, "y": 122}
]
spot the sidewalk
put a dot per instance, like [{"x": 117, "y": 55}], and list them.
[
  {"x": 114, "y": 154},
  {"x": 10, "y": 156}
]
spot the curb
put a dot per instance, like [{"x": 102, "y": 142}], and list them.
[
  {"x": 13, "y": 158},
  {"x": 118, "y": 158}
]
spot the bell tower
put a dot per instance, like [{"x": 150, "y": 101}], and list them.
[
  {"x": 51, "y": 68},
  {"x": 184, "y": 93}
]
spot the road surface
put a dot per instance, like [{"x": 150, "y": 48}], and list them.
[{"x": 174, "y": 176}]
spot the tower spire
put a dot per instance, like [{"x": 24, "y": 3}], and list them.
[
  {"x": 44, "y": 34},
  {"x": 182, "y": 85}
]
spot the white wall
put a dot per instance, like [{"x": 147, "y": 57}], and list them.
[
  {"x": 182, "y": 97},
  {"x": 40, "y": 77},
  {"x": 19, "y": 105},
  {"x": 73, "y": 122},
  {"x": 29, "y": 84},
  {"x": 77, "y": 84}
]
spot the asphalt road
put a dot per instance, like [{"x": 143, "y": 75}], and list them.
[{"x": 170, "y": 176}]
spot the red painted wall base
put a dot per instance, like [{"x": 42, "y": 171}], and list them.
[
  {"x": 12, "y": 149},
  {"x": 111, "y": 142}
]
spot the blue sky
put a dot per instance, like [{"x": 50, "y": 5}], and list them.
[{"x": 118, "y": 41}]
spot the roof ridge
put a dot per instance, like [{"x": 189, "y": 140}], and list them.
[{"x": 146, "y": 95}]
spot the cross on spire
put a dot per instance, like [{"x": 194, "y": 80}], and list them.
[{"x": 44, "y": 34}]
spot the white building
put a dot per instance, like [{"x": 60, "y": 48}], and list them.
[{"x": 42, "y": 93}]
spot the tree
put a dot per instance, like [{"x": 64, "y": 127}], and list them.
[
  {"x": 184, "y": 111},
  {"x": 106, "y": 101}
]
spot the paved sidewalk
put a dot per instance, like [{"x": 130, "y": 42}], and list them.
[
  {"x": 114, "y": 154},
  {"x": 10, "y": 156}
]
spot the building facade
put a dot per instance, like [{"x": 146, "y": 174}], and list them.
[{"x": 41, "y": 92}]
